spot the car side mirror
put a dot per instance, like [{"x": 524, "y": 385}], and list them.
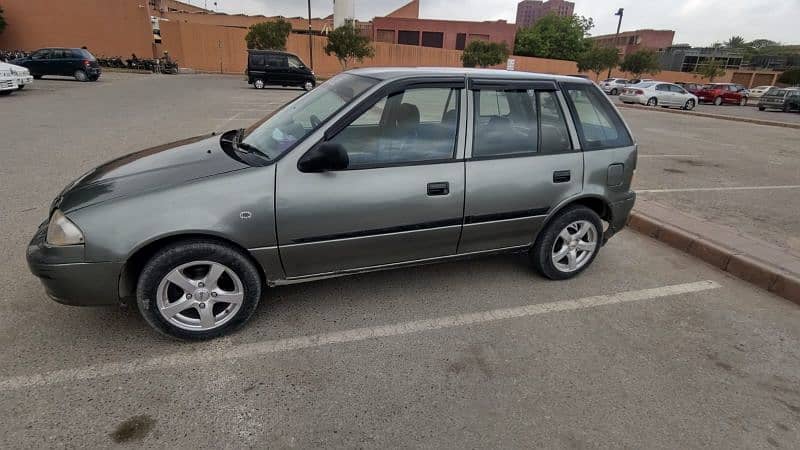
[{"x": 327, "y": 156}]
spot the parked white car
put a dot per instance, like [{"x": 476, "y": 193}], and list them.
[
  {"x": 759, "y": 91},
  {"x": 22, "y": 74},
  {"x": 613, "y": 86},
  {"x": 659, "y": 94},
  {"x": 8, "y": 82}
]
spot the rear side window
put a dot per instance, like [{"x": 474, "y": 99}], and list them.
[
  {"x": 277, "y": 61},
  {"x": 599, "y": 125}
]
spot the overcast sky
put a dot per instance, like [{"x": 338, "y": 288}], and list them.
[{"x": 698, "y": 22}]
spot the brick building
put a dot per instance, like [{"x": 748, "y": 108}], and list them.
[
  {"x": 404, "y": 26},
  {"x": 530, "y": 11},
  {"x": 631, "y": 41}
]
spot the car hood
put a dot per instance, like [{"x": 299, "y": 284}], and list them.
[{"x": 154, "y": 168}]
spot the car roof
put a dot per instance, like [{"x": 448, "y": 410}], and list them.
[{"x": 391, "y": 73}]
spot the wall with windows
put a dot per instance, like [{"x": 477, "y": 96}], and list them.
[{"x": 447, "y": 34}]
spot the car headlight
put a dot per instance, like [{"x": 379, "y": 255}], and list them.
[{"x": 61, "y": 231}]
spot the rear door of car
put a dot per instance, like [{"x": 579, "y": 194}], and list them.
[{"x": 521, "y": 162}]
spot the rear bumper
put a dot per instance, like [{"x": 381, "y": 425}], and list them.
[
  {"x": 640, "y": 99},
  {"x": 620, "y": 212},
  {"x": 69, "y": 282}
]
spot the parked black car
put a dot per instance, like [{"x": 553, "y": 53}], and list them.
[
  {"x": 71, "y": 62},
  {"x": 278, "y": 68},
  {"x": 785, "y": 99}
]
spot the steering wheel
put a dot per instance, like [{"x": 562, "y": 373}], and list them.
[{"x": 315, "y": 122}]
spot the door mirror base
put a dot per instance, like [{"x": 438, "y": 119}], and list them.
[{"x": 325, "y": 157}]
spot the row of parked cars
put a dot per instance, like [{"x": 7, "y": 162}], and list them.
[
  {"x": 74, "y": 62},
  {"x": 688, "y": 95}
]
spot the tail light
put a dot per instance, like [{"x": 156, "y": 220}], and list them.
[{"x": 638, "y": 92}]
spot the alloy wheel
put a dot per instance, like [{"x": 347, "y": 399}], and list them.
[
  {"x": 259, "y": 84},
  {"x": 652, "y": 102},
  {"x": 689, "y": 105},
  {"x": 200, "y": 295},
  {"x": 574, "y": 246},
  {"x": 308, "y": 86}
]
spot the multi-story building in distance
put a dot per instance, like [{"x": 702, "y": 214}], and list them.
[{"x": 530, "y": 11}]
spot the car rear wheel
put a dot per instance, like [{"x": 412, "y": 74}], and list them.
[
  {"x": 81, "y": 76},
  {"x": 718, "y": 101},
  {"x": 743, "y": 101},
  {"x": 20, "y": 87},
  {"x": 689, "y": 105},
  {"x": 652, "y": 101},
  {"x": 614, "y": 91},
  {"x": 198, "y": 290},
  {"x": 569, "y": 243},
  {"x": 787, "y": 108},
  {"x": 4, "y": 93},
  {"x": 258, "y": 84},
  {"x": 761, "y": 108}
]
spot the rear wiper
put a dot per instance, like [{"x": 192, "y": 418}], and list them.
[{"x": 247, "y": 147}]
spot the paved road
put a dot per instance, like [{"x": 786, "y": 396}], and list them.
[
  {"x": 477, "y": 353},
  {"x": 742, "y": 175},
  {"x": 750, "y": 112}
]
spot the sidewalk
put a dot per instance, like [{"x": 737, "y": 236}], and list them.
[{"x": 755, "y": 261}]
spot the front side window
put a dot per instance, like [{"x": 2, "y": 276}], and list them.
[
  {"x": 41, "y": 54},
  {"x": 292, "y": 123},
  {"x": 295, "y": 63},
  {"x": 416, "y": 125},
  {"x": 599, "y": 125},
  {"x": 276, "y": 61}
]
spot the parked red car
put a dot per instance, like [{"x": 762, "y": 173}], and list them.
[{"x": 720, "y": 93}]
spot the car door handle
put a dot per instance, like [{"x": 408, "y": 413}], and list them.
[
  {"x": 561, "y": 176},
  {"x": 439, "y": 188}
]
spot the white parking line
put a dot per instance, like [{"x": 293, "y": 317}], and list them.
[
  {"x": 714, "y": 189},
  {"x": 220, "y": 352}
]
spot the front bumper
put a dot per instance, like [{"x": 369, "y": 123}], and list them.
[
  {"x": 620, "y": 211},
  {"x": 24, "y": 80},
  {"x": 67, "y": 278}
]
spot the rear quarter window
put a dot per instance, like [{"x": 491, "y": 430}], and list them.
[{"x": 598, "y": 123}]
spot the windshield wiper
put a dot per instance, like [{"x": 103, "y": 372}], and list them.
[{"x": 249, "y": 148}]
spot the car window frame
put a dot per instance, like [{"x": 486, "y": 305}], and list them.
[
  {"x": 387, "y": 90},
  {"x": 611, "y": 109}
]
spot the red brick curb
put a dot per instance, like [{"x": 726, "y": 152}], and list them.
[
  {"x": 713, "y": 116},
  {"x": 742, "y": 256}
]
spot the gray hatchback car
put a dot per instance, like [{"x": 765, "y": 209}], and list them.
[{"x": 374, "y": 169}]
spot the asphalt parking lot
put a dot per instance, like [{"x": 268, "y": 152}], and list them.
[
  {"x": 749, "y": 112},
  {"x": 647, "y": 349}
]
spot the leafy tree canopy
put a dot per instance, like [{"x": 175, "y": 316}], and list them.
[
  {"x": 484, "y": 54},
  {"x": 2, "y": 20},
  {"x": 711, "y": 70},
  {"x": 554, "y": 37},
  {"x": 348, "y": 45},
  {"x": 268, "y": 35},
  {"x": 791, "y": 77},
  {"x": 641, "y": 62},
  {"x": 598, "y": 59}
]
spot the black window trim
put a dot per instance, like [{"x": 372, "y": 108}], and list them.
[
  {"x": 579, "y": 128},
  {"x": 386, "y": 90},
  {"x": 536, "y": 153}
]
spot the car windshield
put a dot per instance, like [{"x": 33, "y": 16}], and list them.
[{"x": 281, "y": 131}]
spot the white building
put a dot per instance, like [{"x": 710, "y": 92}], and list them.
[{"x": 344, "y": 11}]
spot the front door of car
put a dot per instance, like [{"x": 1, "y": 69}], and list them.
[
  {"x": 296, "y": 71},
  {"x": 679, "y": 94},
  {"x": 522, "y": 164},
  {"x": 39, "y": 61},
  {"x": 401, "y": 196}
]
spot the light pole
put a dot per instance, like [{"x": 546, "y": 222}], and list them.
[
  {"x": 616, "y": 36},
  {"x": 310, "y": 39}
]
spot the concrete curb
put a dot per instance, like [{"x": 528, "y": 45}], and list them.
[
  {"x": 713, "y": 116},
  {"x": 746, "y": 258}
]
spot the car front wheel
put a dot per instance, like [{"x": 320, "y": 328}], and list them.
[
  {"x": 81, "y": 76},
  {"x": 198, "y": 290},
  {"x": 689, "y": 105},
  {"x": 614, "y": 91},
  {"x": 569, "y": 243},
  {"x": 743, "y": 101},
  {"x": 259, "y": 84},
  {"x": 308, "y": 85}
]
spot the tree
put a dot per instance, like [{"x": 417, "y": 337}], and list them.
[
  {"x": 711, "y": 70},
  {"x": 762, "y": 43},
  {"x": 735, "y": 42},
  {"x": 598, "y": 59},
  {"x": 641, "y": 62},
  {"x": 348, "y": 45},
  {"x": 790, "y": 77},
  {"x": 268, "y": 35},
  {"x": 554, "y": 37},
  {"x": 2, "y": 20},
  {"x": 484, "y": 53}
]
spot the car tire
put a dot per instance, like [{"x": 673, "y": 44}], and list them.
[
  {"x": 787, "y": 108},
  {"x": 718, "y": 101},
  {"x": 81, "y": 76},
  {"x": 743, "y": 101},
  {"x": 5, "y": 93},
  {"x": 761, "y": 108},
  {"x": 190, "y": 263},
  {"x": 652, "y": 101},
  {"x": 20, "y": 87},
  {"x": 614, "y": 91},
  {"x": 545, "y": 255},
  {"x": 259, "y": 83},
  {"x": 308, "y": 85},
  {"x": 689, "y": 105},
  {"x": 37, "y": 77}
]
